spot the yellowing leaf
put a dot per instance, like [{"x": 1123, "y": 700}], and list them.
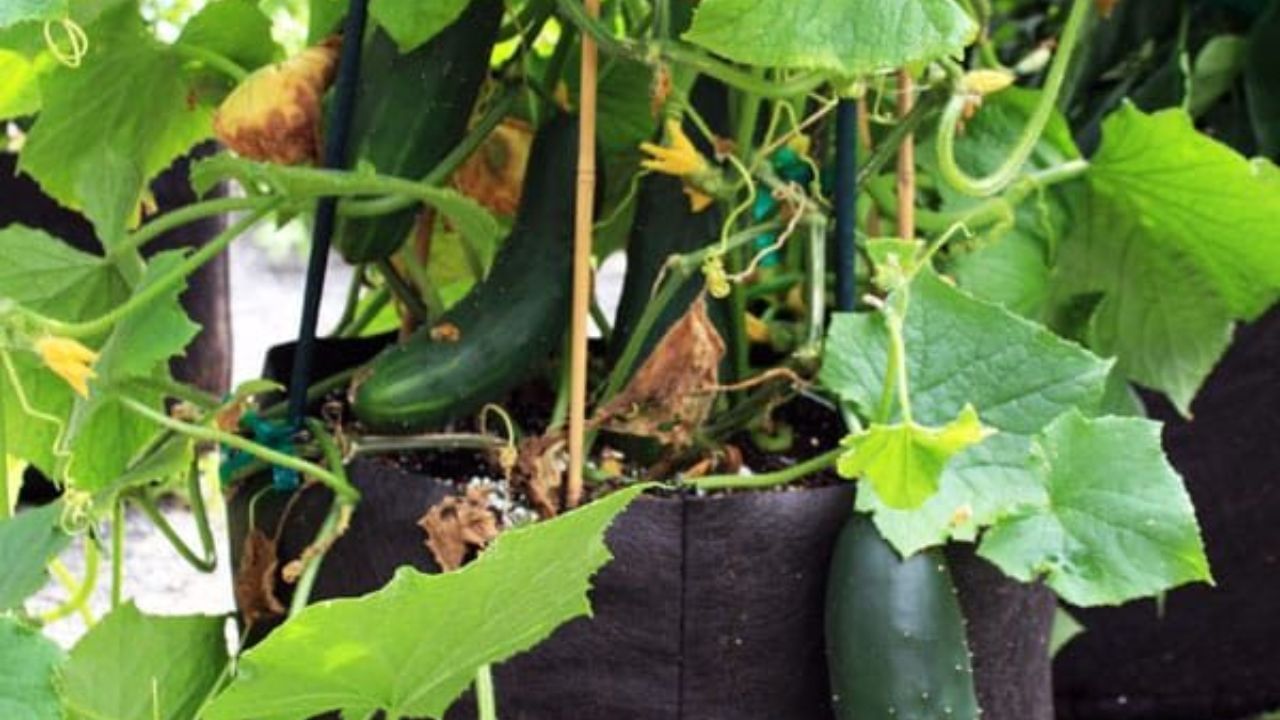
[{"x": 904, "y": 462}]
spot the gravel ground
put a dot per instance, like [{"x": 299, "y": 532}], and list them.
[{"x": 266, "y": 305}]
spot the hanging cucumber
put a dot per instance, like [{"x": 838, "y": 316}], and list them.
[
  {"x": 665, "y": 225},
  {"x": 411, "y": 110},
  {"x": 507, "y": 325},
  {"x": 896, "y": 645}
]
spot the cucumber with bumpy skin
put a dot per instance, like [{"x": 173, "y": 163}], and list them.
[
  {"x": 411, "y": 110},
  {"x": 896, "y": 644},
  {"x": 507, "y": 326}
]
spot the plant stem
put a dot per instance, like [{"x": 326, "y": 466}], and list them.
[
  {"x": 199, "y": 511},
  {"x": 266, "y": 454},
  {"x": 315, "y": 392},
  {"x": 181, "y": 216},
  {"x": 771, "y": 479},
  {"x": 374, "y": 444},
  {"x": 953, "y": 113},
  {"x": 158, "y": 288},
  {"x": 206, "y": 564},
  {"x": 181, "y": 391},
  {"x": 990, "y": 211},
  {"x": 329, "y": 529},
  {"x": 214, "y": 60},
  {"x": 6, "y": 493},
  {"x": 888, "y": 147},
  {"x": 78, "y": 602},
  {"x": 405, "y": 294},
  {"x": 377, "y": 300},
  {"x": 485, "y": 699},
  {"x": 352, "y": 300},
  {"x": 117, "y": 552}
]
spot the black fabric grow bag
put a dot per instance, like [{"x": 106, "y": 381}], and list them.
[
  {"x": 712, "y": 607},
  {"x": 1214, "y": 654}
]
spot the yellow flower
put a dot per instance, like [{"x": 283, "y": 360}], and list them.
[
  {"x": 72, "y": 361},
  {"x": 679, "y": 157},
  {"x": 274, "y": 114}
]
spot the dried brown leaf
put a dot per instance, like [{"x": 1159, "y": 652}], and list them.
[
  {"x": 494, "y": 175},
  {"x": 457, "y": 524},
  {"x": 255, "y": 586},
  {"x": 539, "y": 472},
  {"x": 671, "y": 394}
]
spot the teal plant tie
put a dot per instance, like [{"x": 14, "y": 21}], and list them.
[
  {"x": 791, "y": 167},
  {"x": 273, "y": 434}
]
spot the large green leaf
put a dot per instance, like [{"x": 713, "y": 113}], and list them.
[
  {"x": 236, "y": 29},
  {"x": 412, "y": 22},
  {"x": 95, "y": 144},
  {"x": 1203, "y": 202},
  {"x": 142, "y": 344},
  {"x": 848, "y": 37},
  {"x": 132, "y": 666},
  {"x": 28, "y": 541},
  {"x": 44, "y": 274},
  {"x": 412, "y": 647},
  {"x": 1182, "y": 235},
  {"x": 960, "y": 351},
  {"x": 16, "y": 11},
  {"x": 1116, "y": 522},
  {"x": 26, "y": 684}
]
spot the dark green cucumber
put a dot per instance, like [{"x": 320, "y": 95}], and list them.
[
  {"x": 896, "y": 644},
  {"x": 508, "y": 325},
  {"x": 665, "y": 225},
  {"x": 411, "y": 110}
]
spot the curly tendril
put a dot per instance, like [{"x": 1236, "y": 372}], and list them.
[
  {"x": 75, "y": 37},
  {"x": 953, "y": 114}
]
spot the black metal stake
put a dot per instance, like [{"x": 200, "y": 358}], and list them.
[{"x": 336, "y": 133}]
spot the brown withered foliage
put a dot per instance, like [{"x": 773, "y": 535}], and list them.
[
  {"x": 671, "y": 394},
  {"x": 457, "y": 524},
  {"x": 539, "y": 473},
  {"x": 255, "y": 586},
  {"x": 494, "y": 175},
  {"x": 274, "y": 114}
]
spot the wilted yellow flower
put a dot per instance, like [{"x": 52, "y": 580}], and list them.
[
  {"x": 716, "y": 278},
  {"x": 679, "y": 157},
  {"x": 72, "y": 361},
  {"x": 986, "y": 82},
  {"x": 274, "y": 114}
]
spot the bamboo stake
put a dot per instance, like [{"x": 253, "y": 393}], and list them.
[
  {"x": 583, "y": 211},
  {"x": 906, "y": 162}
]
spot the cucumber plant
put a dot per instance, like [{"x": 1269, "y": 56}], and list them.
[{"x": 1044, "y": 221}]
